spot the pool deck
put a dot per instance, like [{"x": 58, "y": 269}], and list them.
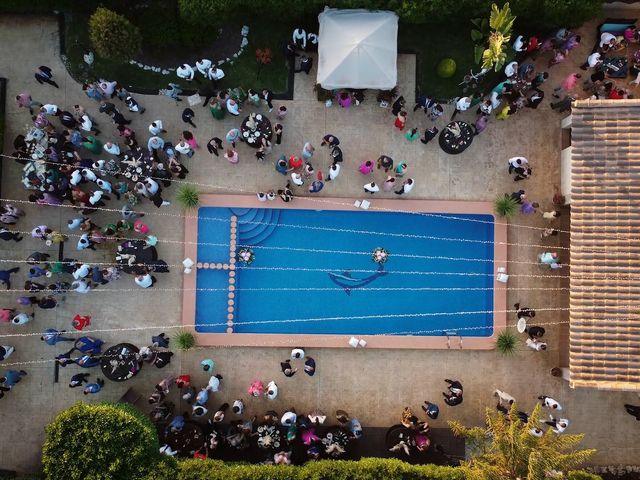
[{"x": 231, "y": 339}]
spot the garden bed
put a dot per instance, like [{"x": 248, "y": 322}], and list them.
[
  {"x": 431, "y": 44},
  {"x": 241, "y": 71}
]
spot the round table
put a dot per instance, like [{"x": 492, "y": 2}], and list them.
[
  {"x": 136, "y": 164},
  {"x": 188, "y": 440},
  {"x": 254, "y": 137},
  {"x": 452, "y": 143},
  {"x": 269, "y": 437},
  {"x": 120, "y": 362},
  {"x": 145, "y": 255},
  {"x": 336, "y": 442}
]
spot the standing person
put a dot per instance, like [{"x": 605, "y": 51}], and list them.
[
  {"x": 233, "y": 136},
  {"x": 11, "y": 377},
  {"x": 398, "y": 105},
  {"x": 188, "y": 116},
  {"x": 213, "y": 145},
  {"x": 551, "y": 215},
  {"x": 267, "y": 95},
  {"x": 385, "y": 162},
  {"x": 5, "y": 276},
  {"x": 156, "y": 128},
  {"x": 429, "y": 134},
  {"x": 330, "y": 140},
  {"x": 388, "y": 184},
  {"x": 407, "y": 186},
  {"x": 549, "y": 402},
  {"x": 78, "y": 379},
  {"x": 517, "y": 162},
  {"x": 412, "y": 134},
  {"x": 94, "y": 387},
  {"x": 454, "y": 397},
  {"x": 286, "y": 368},
  {"x": 282, "y": 112},
  {"x": 232, "y": 156},
  {"x": 309, "y": 366},
  {"x": 504, "y": 397},
  {"x": 307, "y": 151},
  {"x": 431, "y": 409},
  {"x": 44, "y": 75},
  {"x": 529, "y": 207},
  {"x": 567, "y": 85},
  {"x": 334, "y": 171},
  {"x": 371, "y": 188},
  {"x": 401, "y": 120},
  {"x": 277, "y": 129},
  {"x": 401, "y": 169},
  {"x": 462, "y": 105},
  {"x": 5, "y": 352},
  {"x": 24, "y": 100}
]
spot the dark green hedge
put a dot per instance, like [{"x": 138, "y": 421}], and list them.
[{"x": 533, "y": 13}]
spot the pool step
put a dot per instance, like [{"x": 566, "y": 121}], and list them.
[
  {"x": 256, "y": 224},
  {"x": 268, "y": 229}
]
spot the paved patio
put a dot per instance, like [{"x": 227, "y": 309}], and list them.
[{"x": 373, "y": 385}]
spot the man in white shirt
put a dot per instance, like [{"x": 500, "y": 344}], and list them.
[
  {"x": 184, "y": 148},
  {"x": 511, "y": 69},
  {"x": 504, "y": 397},
  {"x": 558, "y": 425},
  {"x": 517, "y": 162},
  {"x": 371, "y": 188},
  {"x": 238, "y": 407},
  {"x": 289, "y": 418},
  {"x": 536, "y": 345},
  {"x": 49, "y": 109},
  {"x": 203, "y": 66},
  {"x": 214, "y": 74},
  {"x": 156, "y": 128},
  {"x": 297, "y": 179},
  {"x": 272, "y": 390},
  {"x": 407, "y": 186},
  {"x": 334, "y": 171},
  {"x": 112, "y": 148},
  {"x": 462, "y": 105},
  {"x": 81, "y": 271},
  {"x": 607, "y": 40},
  {"x": 144, "y": 281},
  {"x": 80, "y": 286},
  {"x": 185, "y": 72},
  {"x": 593, "y": 60},
  {"x": 549, "y": 402},
  {"x": 519, "y": 44}
]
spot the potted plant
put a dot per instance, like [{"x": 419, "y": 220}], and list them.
[
  {"x": 505, "y": 206},
  {"x": 184, "y": 341},
  {"x": 187, "y": 196},
  {"x": 507, "y": 342}
]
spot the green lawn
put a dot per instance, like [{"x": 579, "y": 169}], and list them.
[
  {"x": 432, "y": 43},
  {"x": 244, "y": 71}
]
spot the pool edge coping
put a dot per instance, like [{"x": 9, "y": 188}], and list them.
[{"x": 341, "y": 341}]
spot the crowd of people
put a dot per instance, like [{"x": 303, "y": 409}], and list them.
[{"x": 137, "y": 167}]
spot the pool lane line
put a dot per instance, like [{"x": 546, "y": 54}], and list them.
[
  {"x": 322, "y": 319},
  {"x": 414, "y": 236},
  {"x": 308, "y": 198}
]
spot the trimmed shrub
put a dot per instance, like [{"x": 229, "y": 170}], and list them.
[
  {"x": 582, "y": 475},
  {"x": 106, "y": 441},
  {"x": 505, "y": 206},
  {"x": 113, "y": 36},
  {"x": 184, "y": 340},
  {"x": 188, "y": 196},
  {"x": 446, "y": 68},
  {"x": 507, "y": 342}
]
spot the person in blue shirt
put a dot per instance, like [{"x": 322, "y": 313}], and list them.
[
  {"x": 176, "y": 425},
  {"x": 94, "y": 387},
  {"x": 431, "y": 409},
  {"x": 11, "y": 377},
  {"x": 316, "y": 186},
  {"x": 51, "y": 336},
  {"x": 5, "y": 276}
]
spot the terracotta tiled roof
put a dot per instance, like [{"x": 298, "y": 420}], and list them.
[{"x": 605, "y": 245}]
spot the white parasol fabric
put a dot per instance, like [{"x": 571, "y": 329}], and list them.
[{"x": 357, "y": 49}]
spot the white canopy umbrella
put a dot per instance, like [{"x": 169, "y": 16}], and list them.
[{"x": 357, "y": 49}]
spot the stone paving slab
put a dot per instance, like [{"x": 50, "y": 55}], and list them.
[{"x": 372, "y": 385}]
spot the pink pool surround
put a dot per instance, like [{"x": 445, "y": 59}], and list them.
[{"x": 232, "y": 339}]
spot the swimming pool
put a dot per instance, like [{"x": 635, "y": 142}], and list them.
[{"x": 313, "y": 272}]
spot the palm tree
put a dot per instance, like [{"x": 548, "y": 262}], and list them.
[
  {"x": 505, "y": 449},
  {"x": 501, "y": 22}
]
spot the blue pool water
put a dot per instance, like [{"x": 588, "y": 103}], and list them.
[{"x": 320, "y": 277}]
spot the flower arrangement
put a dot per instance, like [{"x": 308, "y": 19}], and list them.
[
  {"x": 380, "y": 255},
  {"x": 246, "y": 256}
]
